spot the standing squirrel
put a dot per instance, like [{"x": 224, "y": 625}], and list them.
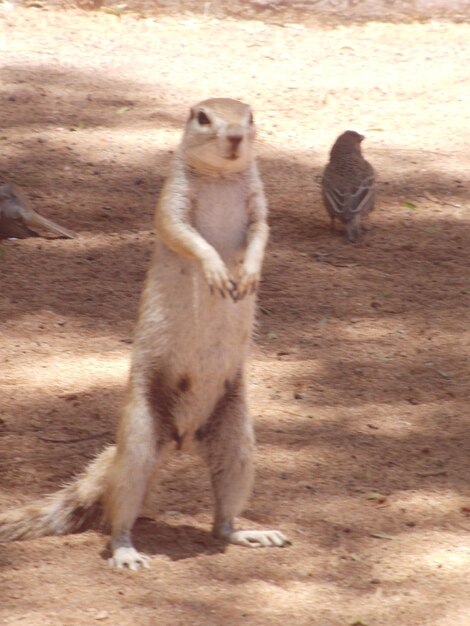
[{"x": 186, "y": 387}]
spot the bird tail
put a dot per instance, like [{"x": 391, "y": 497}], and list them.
[
  {"x": 39, "y": 221},
  {"x": 73, "y": 508},
  {"x": 353, "y": 229}
]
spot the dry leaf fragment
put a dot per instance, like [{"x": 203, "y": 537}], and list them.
[
  {"x": 102, "y": 615},
  {"x": 429, "y": 196},
  {"x": 380, "y": 535},
  {"x": 432, "y": 473},
  {"x": 375, "y": 495}
]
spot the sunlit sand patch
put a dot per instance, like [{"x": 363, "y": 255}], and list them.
[{"x": 71, "y": 371}]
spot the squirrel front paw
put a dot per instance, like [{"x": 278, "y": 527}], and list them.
[
  {"x": 248, "y": 280},
  {"x": 218, "y": 277}
]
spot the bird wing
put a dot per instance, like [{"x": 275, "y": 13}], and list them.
[
  {"x": 350, "y": 192},
  {"x": 13, "y": 228},
  {"x": 12, "y": 224},
  {"x": 352, "y": 200}
]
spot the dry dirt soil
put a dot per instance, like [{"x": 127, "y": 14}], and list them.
[{"x": 359, "y": 379}]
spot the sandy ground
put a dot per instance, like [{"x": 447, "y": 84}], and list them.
[{"x": 359, "y": 376}]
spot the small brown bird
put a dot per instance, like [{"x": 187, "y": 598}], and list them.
[
  {"x": 348, "y": 184},
  {"x": 19, "y": 220}
]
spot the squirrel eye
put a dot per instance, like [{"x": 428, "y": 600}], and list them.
[{"x": 203, "y": 119}]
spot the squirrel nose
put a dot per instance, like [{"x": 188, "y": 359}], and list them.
[{"x": 235, "y": 140}]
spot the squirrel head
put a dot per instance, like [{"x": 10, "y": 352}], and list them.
[{"x": 219, "y": 136}]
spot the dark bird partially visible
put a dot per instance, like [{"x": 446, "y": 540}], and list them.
[
  {"x": 19, "y": 220},
  {"x": 348, "y": 184}
]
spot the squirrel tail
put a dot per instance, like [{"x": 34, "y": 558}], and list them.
[{"x": 71, "y": 509}]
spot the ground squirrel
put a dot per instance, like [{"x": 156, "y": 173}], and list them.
[
  {"x": 19, "y": 220},
  {"x": 186, "y": 387},
  {"x": 348, "y": 184}
]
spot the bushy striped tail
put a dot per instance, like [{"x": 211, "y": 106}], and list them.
[{"x": 73, "y": 508}]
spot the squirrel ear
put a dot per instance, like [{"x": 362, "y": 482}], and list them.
[{"x": 192, "y": 113}]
